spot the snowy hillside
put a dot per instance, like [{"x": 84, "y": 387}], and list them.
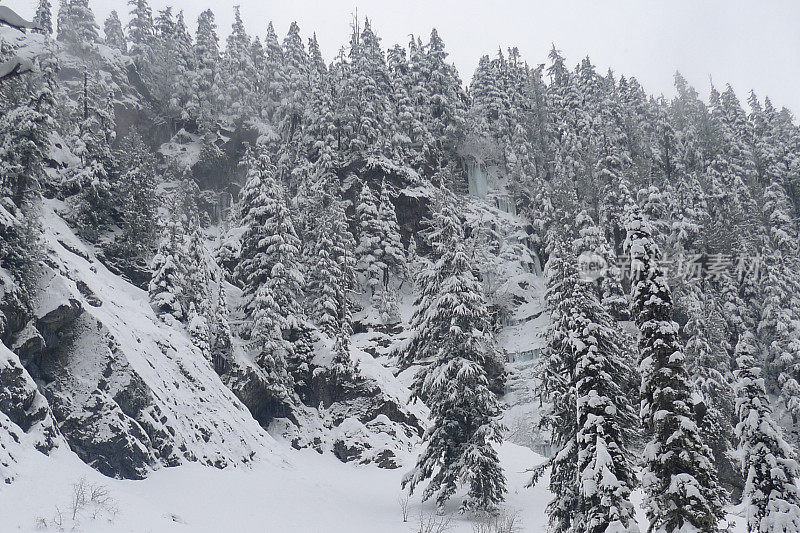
[{"x": 246, "y": 289}]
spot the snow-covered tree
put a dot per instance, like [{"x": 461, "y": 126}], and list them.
[
  {"x": 141, "y": 34},
  {"x": 167, "y": 282},
  {"x": 330, "y": 272},
  {"x": 198, "y": 330},
  {"x": 392, "y": 255},
  {"x": 769, "y": 464},
  {"x": 115, "y": 36},
  {"x": 76, "y": 24},
  {"x": 136, "y": 187},
  {"x": 269, "y": 267},
  {"x": 679, "y": 478},
  {"x": 369, "y": 252},
  {"x": 222, "y": 346},
  {"x": 458, "y": 447},
  {"x": 205, "y": 78},
  {"x": 44, "y": 17},
  {"x": 606, "y": 420}
]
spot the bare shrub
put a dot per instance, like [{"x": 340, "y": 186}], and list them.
[
  {"x": 403, "y": 500},
  {"x": 431, "y": 523},
  {"x": 87, "y": 501},
  {"x": 503, "y": 522}
]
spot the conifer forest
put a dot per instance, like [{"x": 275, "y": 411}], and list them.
[{"x": 249, "y": 284}]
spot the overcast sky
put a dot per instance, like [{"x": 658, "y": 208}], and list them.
[{"x": 749, "y": 44}]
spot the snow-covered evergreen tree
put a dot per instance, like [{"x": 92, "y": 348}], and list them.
[
  {"x": 114, "y": 35},
  {"x": 269, "y": 268},
  {"x": 198, "y": 330},
  {"x": 166, "y": 285},
  {"x": 369, "y": 252},
  {"x": 392, "y": 255},
  {"x": 222, "y": 346},
  {"x": 76, "y": 24},
  {"x": 44, "y": 17},
  {"x": 141, "y": 34},
  {"x": 204, "y": 79},
  {"x": 136, "y": 188},
  {"x": 769, "y": 464},
  {"x": 679, "y": 478},
  {"x": 458, "y": 447}
]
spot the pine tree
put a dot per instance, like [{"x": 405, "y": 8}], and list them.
[
  {"x": 24, "y": 139},
  {"x": 679, "y": 479},
  {"x": 769, "y": 465},
  {"x": 295, "y": 84},
  {"x": 115, "y": 37},
  {"x": 222, "y": 347},
  {"x": 557, "y": 377},
  {"x": 269, "y": 270},
  {"x": 181, "y": 63},
  {"x": 780, "y": 307},
  {"x": 330, "y": 276},
  {"x": 198, "y": 276},
  {"x": 591, "y": 245},
  {"x": 198, "y": 330},
  {"x": 273, "y": 74},
  {"x": 392, "y": 255},
  {"x": 458, "y": 446},
  {"x": 205, "y": 81},
  {"x": 707, "y": 357},
  {"x": 141, "y": 34},
  {"x": 44, "y": 17},
  {"x": 136, "y": 186},
  {"x": 76, "y": 24},
  {"x": 605, "y": 418},
  {"x": 447, "y": 110},
  {"x": 369, "y": 252},
  {"x": 94, "y": 136},
  {"x": 240, "y": 71},
  {"x": 167, "y": 282}
]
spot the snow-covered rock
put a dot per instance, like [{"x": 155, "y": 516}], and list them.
[{"x": 129, "y": 393}]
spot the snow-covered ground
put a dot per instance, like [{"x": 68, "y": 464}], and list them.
[
  {"x": 300, "y": 491},
  {"x": 295, "y": 491}
]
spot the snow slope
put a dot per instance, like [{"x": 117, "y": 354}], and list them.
[{"x": 120, "y": 381}]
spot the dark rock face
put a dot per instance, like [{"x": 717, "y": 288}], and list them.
[
  {"x": 102, "y": 409},
  {"x": 254, "y": 391},
  {"x": 363, "y": 400},
  {"x": 22, "y": 403}
]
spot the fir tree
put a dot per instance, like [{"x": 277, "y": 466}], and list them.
[
  {"x": 76, "y": 24},
  {"x": 166, "y": 285},
  {"x": 679, "y": 479},
  {"x": 459, "y": 444},
  {"x": 141, "y": 34},
  {"x": 239, "y": 70},
  {"x": 198, "y": 330},
  {"x": 605, "y": 418},
  {"x": 205, "y": 81},
  {"x": 222, "y": 347},
  {"x": 330, "y": 276},
  {"x": 136, "y": 186},
  {"x": 44, "y": 17},
  {"x": 557, "y": 375},
  {"x": 269, "y": 268},
  {"x": 771, "y": 494},
  {"x": 369, "y": 252},
  {"x": 115, "y": 37},
  {"x": 392, "y": 256}
]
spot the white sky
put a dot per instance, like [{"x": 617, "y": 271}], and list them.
[{"x": 747, "y": 43}]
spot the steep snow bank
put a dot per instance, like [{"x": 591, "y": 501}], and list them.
[{"x": 129, "y": 392}]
